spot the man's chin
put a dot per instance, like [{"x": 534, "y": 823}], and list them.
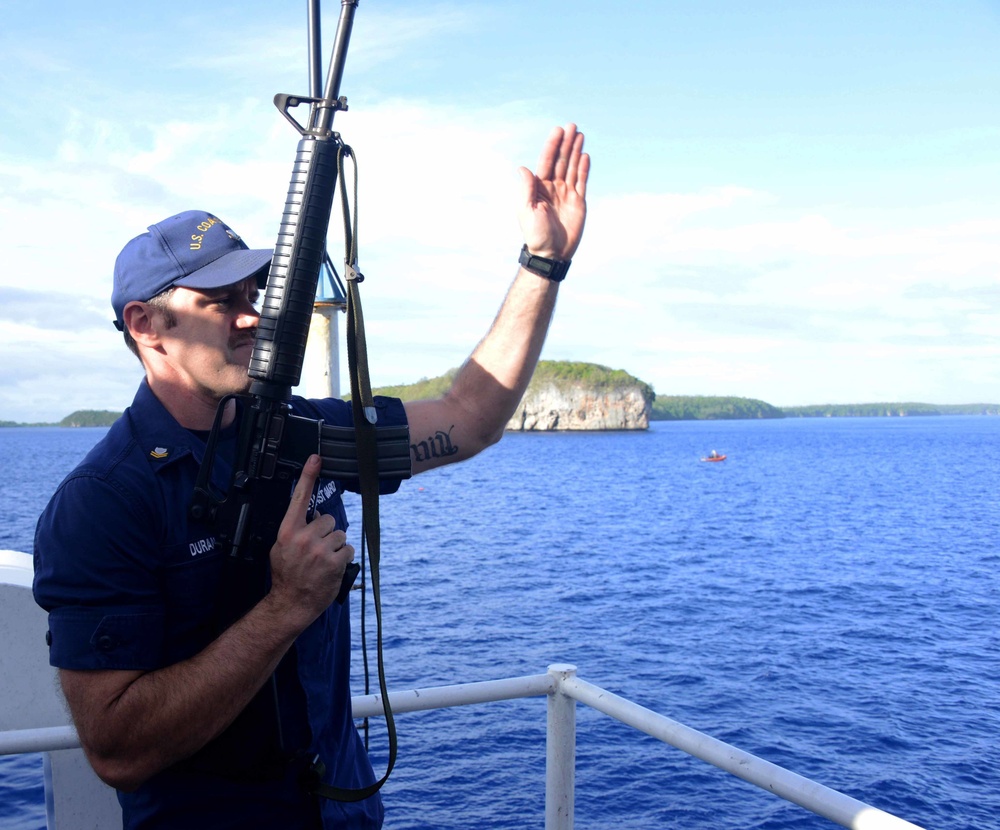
[{"x": 237, "y": 381}]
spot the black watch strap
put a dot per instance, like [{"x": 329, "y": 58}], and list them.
[{"x": 551, "y": 269}]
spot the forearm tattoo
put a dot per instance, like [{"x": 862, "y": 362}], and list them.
[{"x": 438, "y": 445}]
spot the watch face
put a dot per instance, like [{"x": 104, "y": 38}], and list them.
[{"x": 551, "y": 269}]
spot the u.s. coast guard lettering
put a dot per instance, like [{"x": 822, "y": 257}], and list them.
[
  {"x": 197, "y": 239},
  {"x": 205, "y": 545},
  {"x": 327, "y": 491},
  {"x": 434, "y": 446}
]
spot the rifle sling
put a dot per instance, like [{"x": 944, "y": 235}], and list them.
[{"x": 365, "y": 430}]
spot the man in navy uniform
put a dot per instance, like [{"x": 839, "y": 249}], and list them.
[{"x": 171, "y": 712}]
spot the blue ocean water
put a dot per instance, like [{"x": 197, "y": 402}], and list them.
[{"x": 825, "y": 598}]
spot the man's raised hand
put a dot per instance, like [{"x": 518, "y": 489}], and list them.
[{"x": 553, "y": 205}]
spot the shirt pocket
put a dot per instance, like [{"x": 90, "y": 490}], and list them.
[{"x": 193, "y": 590}]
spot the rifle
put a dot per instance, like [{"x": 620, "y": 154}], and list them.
[{"x": 273, "y": 444}]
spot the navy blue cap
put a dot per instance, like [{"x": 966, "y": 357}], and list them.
[{"x": 194, "y": 249}]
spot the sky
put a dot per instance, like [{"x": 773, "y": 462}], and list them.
[{"x": 791, "y": 201}]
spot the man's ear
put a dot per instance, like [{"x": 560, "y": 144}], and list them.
[{"x": 138, "y": 319}]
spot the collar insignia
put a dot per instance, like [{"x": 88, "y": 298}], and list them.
[{"x": 159, "y": 452}]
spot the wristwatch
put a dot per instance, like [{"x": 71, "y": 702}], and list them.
[{"x": 551, "y": 269}]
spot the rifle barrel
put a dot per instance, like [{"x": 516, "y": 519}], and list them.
[{"x": 323, "y": 114}]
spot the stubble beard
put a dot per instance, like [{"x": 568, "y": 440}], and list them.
[{"x": 242, "y": 381}]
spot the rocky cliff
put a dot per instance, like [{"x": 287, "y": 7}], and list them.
[
  {"x": 561, "y": 395},
  {"x": 551, "y": 405}
]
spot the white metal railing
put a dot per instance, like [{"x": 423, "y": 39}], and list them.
[{"x": 564, "y": 689}]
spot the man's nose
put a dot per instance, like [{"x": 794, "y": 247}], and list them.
[{"x": 248, "y": 317}]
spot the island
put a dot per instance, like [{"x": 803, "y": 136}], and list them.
[
  {"x": 80, "y": 418},
  {"x": 711, "y": 408},
  {"x": 570, "y": 395},
  {"x": 562, "y": 395}
]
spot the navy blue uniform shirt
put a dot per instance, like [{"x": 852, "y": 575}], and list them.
[{"x": 130, "y": 582}]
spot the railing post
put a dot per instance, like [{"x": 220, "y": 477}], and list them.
[{"x": 560, "y": 752}]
